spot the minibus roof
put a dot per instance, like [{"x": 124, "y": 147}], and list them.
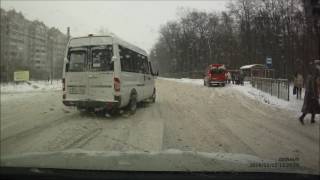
[{"x": 103, "y": 40}]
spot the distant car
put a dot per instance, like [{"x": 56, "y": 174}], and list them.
[{"x": 215, "y": 74}]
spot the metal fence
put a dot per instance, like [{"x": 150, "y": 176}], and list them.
[{"x": 276, "y": 87}]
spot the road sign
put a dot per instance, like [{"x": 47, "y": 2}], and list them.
[
  {"x": 269, "y": 62},
  {"x": 21, "y": 76}
]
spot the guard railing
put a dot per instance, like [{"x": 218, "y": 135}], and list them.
[{"x": 276, "y": 87}]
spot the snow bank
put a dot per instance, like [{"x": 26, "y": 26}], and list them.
[
  {"x": 253, "y": 93},
  {"x": 293, "y": 105},
  {"x": 31, "y": 86}
]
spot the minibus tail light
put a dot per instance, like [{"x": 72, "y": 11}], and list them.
[
  {"x": 63, "y": 84},
  {"x": 116, "y": 84}
]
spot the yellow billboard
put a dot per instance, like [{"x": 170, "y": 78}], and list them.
[{"x": 21, "y": 76}]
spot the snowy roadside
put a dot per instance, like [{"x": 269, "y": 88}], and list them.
[
  {"x": 31, "y": 86},
  {"x": 247, "y": 89},
  {"x": 253, "y": 93}
]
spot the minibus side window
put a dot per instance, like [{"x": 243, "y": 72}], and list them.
[
  {"x": 134, "y": 62},
  {"x": 125, "y": 59},
  {"x": 146, "y": 65},
  {"x": 137, "y": 64},
  {"x": 77, "y": 61},
  {"x": 140, "y": 65},
  {"x": 131, "y": 61}
]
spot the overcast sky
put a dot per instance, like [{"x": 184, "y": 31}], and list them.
[{"x": 137, "y": 22}]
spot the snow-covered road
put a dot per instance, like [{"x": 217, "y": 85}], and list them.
[{"x": 186, "y": 116}]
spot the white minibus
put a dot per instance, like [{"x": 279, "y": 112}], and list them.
[{"x": 106, "y": 73}]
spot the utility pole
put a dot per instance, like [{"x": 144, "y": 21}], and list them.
[
  {"x": 8, "y": 54},
  {"x": 68, "y": 33},
  {"x": 51, "y": 58}
]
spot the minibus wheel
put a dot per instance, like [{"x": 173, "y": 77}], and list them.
[
  {"x": 153, "y": 97},
  {"x": 115, "y": 111},
  {"x": 133, "y": 104}
]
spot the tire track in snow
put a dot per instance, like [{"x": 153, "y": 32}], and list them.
[
  {"x": 83, "y": 139},
  {"x": 38, "y": 128}
]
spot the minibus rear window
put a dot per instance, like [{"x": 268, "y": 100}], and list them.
[
  {"x": 77, "y": 61},
  {"x": 101, "y": 59}
]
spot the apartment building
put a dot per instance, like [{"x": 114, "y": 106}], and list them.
[{"x": 30, "y": 45}]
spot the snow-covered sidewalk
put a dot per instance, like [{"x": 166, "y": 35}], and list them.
[
  {"x": 31, "y": 86},
  {"x": 293, "y": 104},
  {"x": 253, "y": 93}
]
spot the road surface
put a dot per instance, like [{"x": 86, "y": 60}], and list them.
[{"x": 185, "y": 116}]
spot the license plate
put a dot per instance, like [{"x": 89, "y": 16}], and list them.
[{"x": 76, "y": 90}]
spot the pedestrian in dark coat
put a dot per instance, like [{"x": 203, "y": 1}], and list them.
[
  {"x": 233, "y": 78},
  {"x": 311, "y": 98},
  {"x": 236, "y": 78},
  {"x": 298, "y": 84},
  {"x": 241, "y": 78}
]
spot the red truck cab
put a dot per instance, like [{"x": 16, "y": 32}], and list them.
[{"x": 215, "y": 75}]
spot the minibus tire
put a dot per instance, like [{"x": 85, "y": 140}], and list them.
[
  {"x": 132, "y": 107},
  {"x": 115, "y": 112},
  {"x": 153, "y": 97}
]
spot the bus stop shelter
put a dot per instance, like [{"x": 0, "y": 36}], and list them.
[{"x": 256, "y": 70}]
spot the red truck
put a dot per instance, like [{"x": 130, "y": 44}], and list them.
[{"x": 215, "y": 74}]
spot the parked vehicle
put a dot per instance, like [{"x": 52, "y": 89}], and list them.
[
  {"x": 106, "y": 73},
  {"x": 215, "y": 74}
]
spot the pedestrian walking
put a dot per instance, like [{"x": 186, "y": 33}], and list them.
[
  {"x": 233, "y": 78},
  {"x": 236, "y": 78},
  {"x": 229, "y": 77},
  {"x": 241, "y": 78},
  {"x": 311, "y": 97},
  {"x": 298, "y": 84}
]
